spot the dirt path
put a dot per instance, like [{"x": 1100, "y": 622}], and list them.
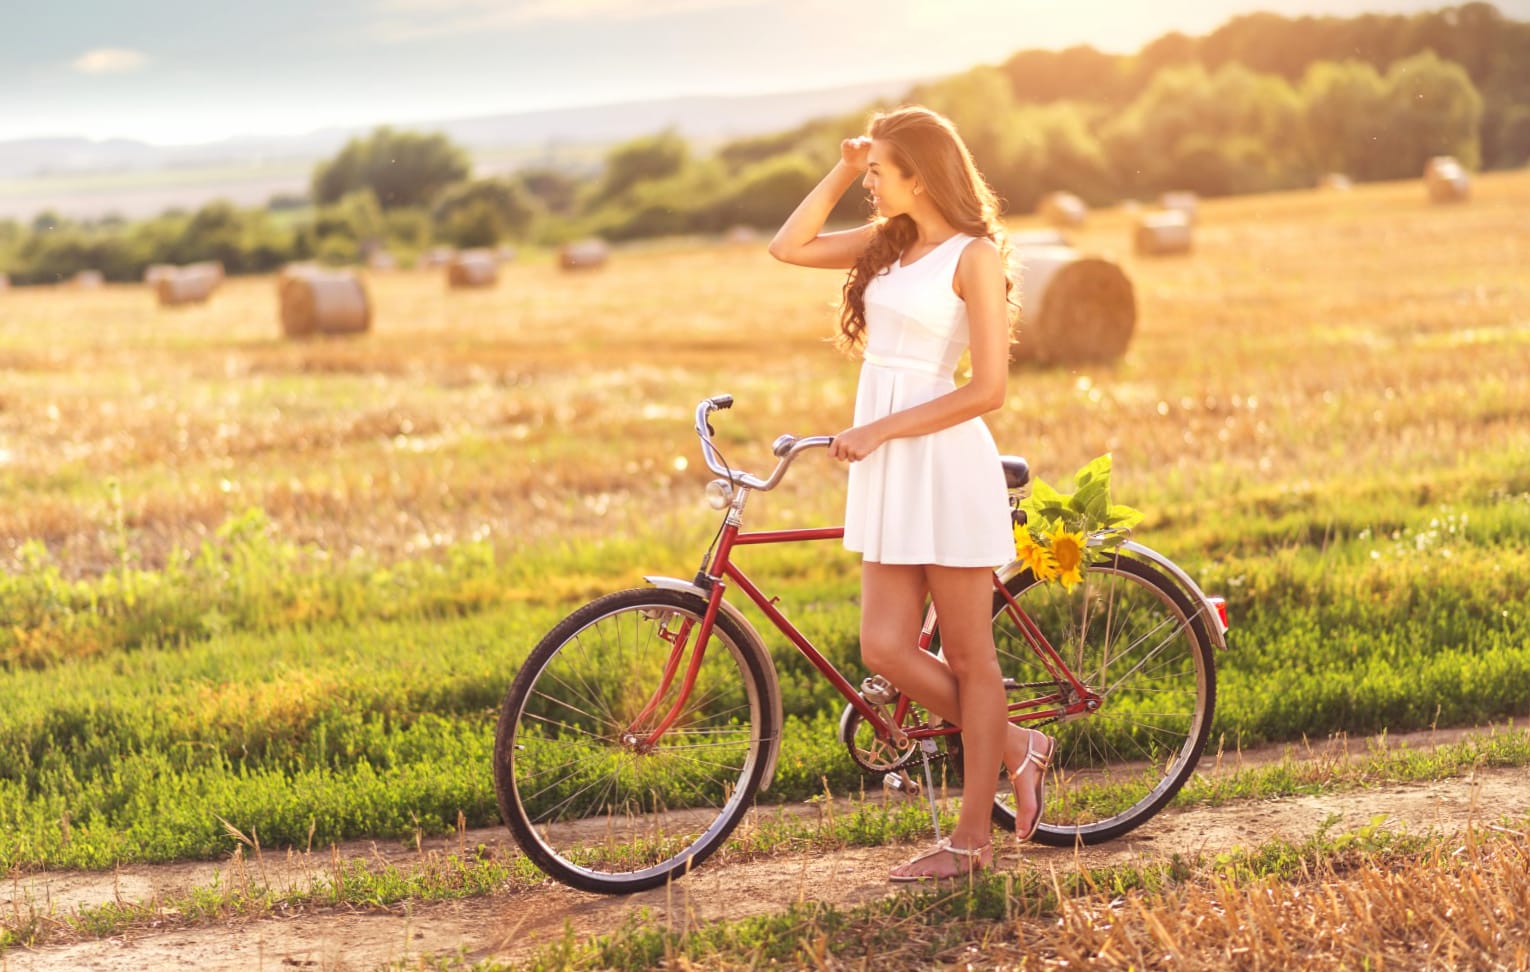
[{"x": 511, "y": 925}]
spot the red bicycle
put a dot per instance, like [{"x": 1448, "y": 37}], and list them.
[{"x": 642, "y": 727}]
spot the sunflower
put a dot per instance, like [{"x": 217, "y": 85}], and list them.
[
  {"x": 1034, "y": 555},
  {"x": 1068, "y": 552}
]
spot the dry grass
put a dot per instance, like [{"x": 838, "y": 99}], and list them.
[
  {"x": 1310, "y": 335},
  {"x": 1462, "y": 904}
]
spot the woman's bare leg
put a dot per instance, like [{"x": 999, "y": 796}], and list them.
[
  {"x": 892, "y": 613},
  {"x": 963, "y": 600}
]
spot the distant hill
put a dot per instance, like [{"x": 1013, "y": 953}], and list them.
[
  {"x": 81, "y": 178},
  {"x": 702, "y": 118}
]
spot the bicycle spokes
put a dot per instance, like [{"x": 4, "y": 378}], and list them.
[{"x": 1138, "y": 688}]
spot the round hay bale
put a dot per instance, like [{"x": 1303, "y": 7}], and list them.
[
  {"x": 473, "y": 268},
  {"x": 1335, "y": 182},
  {"x": 317, "y": 301},
  {"x": 1161, "y": 233},
  {"x": 1446, "y": 180},
  {"x": 191, "y": 284},
  {"x": 1073, "y": 309},
  {"x": 155, "y": 272},
  {"x": 213, "y": 268},
  {"x": 505, "y": 253},
  {"x": 1183, "y": 202},
  {"x": 1063, "y": 209},
  {"x": 584, "y": 254},
  {"x": 88, "y": 279}
]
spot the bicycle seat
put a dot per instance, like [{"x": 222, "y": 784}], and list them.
[{"x": 1017, "y": 472}]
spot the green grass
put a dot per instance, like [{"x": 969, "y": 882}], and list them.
[
  {"x": 243, "y": 889},
  {"x": 260, "y": 683}
]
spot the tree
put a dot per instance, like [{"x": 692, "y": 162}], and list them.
[
  {"x": 483, "y": 212},
  {"x": 1185, "y": 112},
  {"x": 646, "y": 159},
  {"x": 1436, "y": 110},
  {"x": 1077, "y": 74},
  {"x": 557, "y": 191},
  {"x": 766, "y": 193},
  {"x": 400, "y": 168},
  {"x": 1347, "y": 107}
]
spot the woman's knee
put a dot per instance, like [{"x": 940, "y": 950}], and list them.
[{"x": 880, "y": 650}]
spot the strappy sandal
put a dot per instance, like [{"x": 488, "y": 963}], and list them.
[
  {"x": 972, "y": 858},
  {"x": 1024, "y": 830}
]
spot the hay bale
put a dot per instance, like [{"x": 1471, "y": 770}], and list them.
[
  {"x": 1157, "y": 234},
  {"x": 741, "y": 235},
  {"x": 584, "y": 254},
  {"x": 1446, "y": 180},
  {"x": 88, "y": 279},
  {"x": 213, "y": 268},
  {"x": 1182, "y": 202},
  {"x": 1335, "y": 182},
  {"x": 191, "y": 284},
  {"x": 155, "y": 272},
  {"x": 318, "y": 301},
  {"x": 505, "y": 253},
  {"x": 473, "y": 268},
  {"x": 1074, "y": 309},
  {"x": 1063, "y": 209}
]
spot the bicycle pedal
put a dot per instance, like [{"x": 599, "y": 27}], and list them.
[
  {"x": 901, "y": 783},
  {"x": 878, "y": 690}
]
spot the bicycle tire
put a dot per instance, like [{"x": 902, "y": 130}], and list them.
[
  {"x": 587, "y": 804},
  {"x": 1114, "y": 768}
]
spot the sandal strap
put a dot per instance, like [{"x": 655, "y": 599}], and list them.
[
  {"x": 1042, "y": 762},
  {"x": 945, "y": 845}
]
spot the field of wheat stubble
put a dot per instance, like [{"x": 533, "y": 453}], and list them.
[{"x": 259, "y": 599}]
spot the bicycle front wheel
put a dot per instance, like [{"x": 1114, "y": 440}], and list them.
[
  {"x": 588, "y": 795},
  {"x": 1134, "y": 638}
]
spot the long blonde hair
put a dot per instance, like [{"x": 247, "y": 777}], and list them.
[{"x": 923, "y": 144}]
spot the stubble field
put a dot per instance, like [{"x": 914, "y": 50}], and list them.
[{"x": 276, "y": 589}]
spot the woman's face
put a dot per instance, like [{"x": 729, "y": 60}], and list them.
[{"x": 892, "y": 192}]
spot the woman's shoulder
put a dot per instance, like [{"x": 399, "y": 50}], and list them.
[{"x": 980, "y": 251}]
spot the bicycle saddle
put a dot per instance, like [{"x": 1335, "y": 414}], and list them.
[{"x": 1017, "y": 472}]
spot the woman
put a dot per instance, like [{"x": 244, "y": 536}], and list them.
[{"x": 926, "y": 505}]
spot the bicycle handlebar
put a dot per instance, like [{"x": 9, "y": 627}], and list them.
[{"x": 786, "y": 448}]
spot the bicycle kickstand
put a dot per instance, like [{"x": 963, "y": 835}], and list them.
[{"x": 926, "y": 750}]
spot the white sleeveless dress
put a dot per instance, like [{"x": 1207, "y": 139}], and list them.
[{"x": 928, "y": 499}]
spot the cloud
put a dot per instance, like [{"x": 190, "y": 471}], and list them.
[
  {"x": 407, "y": 20},
  {"x": 110, "y": 60}
]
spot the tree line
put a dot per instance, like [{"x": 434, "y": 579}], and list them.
[{"x": 1263, "y": 103}]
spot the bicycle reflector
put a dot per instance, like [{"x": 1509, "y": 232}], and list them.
[
  {"x": 1220, "y": 603},
  {"x": 719, "y": 494}
]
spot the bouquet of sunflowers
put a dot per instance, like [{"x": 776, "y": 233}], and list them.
[{"x": 1063, "y": 532}]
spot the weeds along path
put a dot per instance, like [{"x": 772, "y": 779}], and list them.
[{"x": 513, "y": 924}]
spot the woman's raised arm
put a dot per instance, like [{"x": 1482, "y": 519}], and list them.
[{"x": 801, "y": 240}]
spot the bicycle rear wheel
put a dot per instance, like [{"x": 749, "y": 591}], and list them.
[
  {"x": 1133, "y": 637},
  {"x": 585, "y": 796}
]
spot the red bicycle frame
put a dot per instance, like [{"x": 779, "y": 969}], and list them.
[{"x": 1075, "y": 700}]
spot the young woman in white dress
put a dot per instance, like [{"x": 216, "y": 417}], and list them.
[{"x": 926, "y": 505}]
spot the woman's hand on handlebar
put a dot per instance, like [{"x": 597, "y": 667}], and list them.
[{"x": 855, "y": 444}]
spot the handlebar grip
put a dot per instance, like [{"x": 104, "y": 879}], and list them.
[{"x": 721, "y": 401}]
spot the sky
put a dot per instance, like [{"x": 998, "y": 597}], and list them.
[{"x": 179, "y": 72}]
